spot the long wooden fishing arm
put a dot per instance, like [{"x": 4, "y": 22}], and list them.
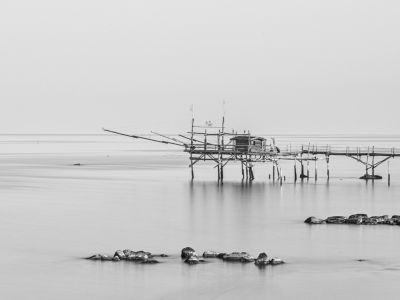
[{"x": 143, "y": 138}]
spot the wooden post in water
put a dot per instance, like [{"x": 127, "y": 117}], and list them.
[
  {"x": 295, "y": 171},
  {"x": 242, "y": 170},
  {"x": 223, "y": 148},
  {"x": 273, "y": 171},
  {"x": 373, "y": 162},
  {"x": 191, "y": 146},
  {"x": 388, "y": 167},
  {"x": 327, "y": 166},
  {"x": 366, "y": 165},
  {"x": 308, "y": 162},
  {"x": 315, "y": 168}
]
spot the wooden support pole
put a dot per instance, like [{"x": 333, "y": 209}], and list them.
[
  {"x": 222, "y": 172},
  {"x": 191, "y": 146},
  {"x": 315, "y": 169},
  {"x": 327, "y": 166},
  {"x": 388, "y": 167},
  {"x": 308, "y": 162},
  {"x": 242, "y": 170},
  {"x": 273, "y": 171},
  {"x": 373, "y": 162},
  {"x": 295, "y": 171}
]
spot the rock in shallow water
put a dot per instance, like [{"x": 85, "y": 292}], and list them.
[
  {"x": 187, "y": 252},
  {"x": 243, "y": 257},
  {"x": 262, "y": 259},
  {"x": 210, "y": 254},
  {"x": 336, "y": 220},
  {"x": 314, "y": 220},
  {"x": 276, "y": 261},
  {"x": 102, "y": 257}
]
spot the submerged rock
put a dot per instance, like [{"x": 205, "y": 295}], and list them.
[
  {"x": 187, "y": 252},
  {"x": 336, "y": 220},
  {"x": 369, "y": 221},
  {"x": 262, "y": 260},
  {"x": 370, "y": 177},
  {"x": 192, "y": 260},
  {"x": 120, "y": 254},
  {"x": 243, "y": 257},
  {"x": 221, "y": 255},
  {"x": 314, "y": 220},
  {"x": 355, "y": 220},
  {"x": 102, "y": 257},
  {"x": 276, "y": 261},
  {"x": 210, "y": 254},
  {"x": 150, "y": 261},
  {"x": 357, "y": 216}
]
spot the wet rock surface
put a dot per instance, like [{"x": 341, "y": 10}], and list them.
[
  {"x": 357, "y": 219},
  {"x": 314, "y": 220},
  {"x": 187, "y": 252},
  {"x": 127, "y": 255},
  {"x": 262, "y": 260},
  {"x": 243, "y": 257}
]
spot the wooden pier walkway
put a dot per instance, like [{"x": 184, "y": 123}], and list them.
[{"x": 211, "y": 143}]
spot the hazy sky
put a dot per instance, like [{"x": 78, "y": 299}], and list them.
[{"x": 291, "y": 66}]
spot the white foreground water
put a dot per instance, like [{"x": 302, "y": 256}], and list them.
[{"x": 137, "y": 195}]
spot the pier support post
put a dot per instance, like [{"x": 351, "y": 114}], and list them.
[
  {"x": 251, "y": 173},
  {"x": 388, "y": 167},
  {"x": 273, "y": 171},
  {"x": 327, "y": 166},
  {"x": 222, "y": 173},
  {"x": 315, "y": 169},
  {"x": 295, "y": 171},
  {"x": 302, "y": 171},
  {"x": 242, "y": 171}
]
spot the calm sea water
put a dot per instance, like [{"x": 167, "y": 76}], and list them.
[{"x": 137, "y": 195}]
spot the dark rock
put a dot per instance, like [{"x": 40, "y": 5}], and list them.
[
  {"x": 187, "y": 252},
  {"x": 314, "y": 220},
  {"x": 210, "y": 254},
  {"x": 221, "y": 255},
  {"x": 150, "y": 261},
  {"x": 238, "y": 257},
  {"x": 369, "y": 221},
  {"x": 356, "y": 216},
  {"x": 161, "y": 255},
  {"x": 276, "y": 261},
  {"x": 193, "y": 260},
  {"x": 262, "y": 260},
  {"x": 95, "y": 257},
  {"x": 101, "y": 257},
  {"x": 355, "y": 220},
  {"x": 120, "y": 254},
  {"x": 380, "y": 219},
  {"x": 336, "y": 220},
  {"x": 370, "y": 177},
  {"x": 116, "y": 258}
]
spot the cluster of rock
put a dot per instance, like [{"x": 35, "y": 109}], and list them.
[
  {"x": 191, "y": 257},
  {"x": 143, "y": 257},
  {"x": 358, "y": 219}
]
